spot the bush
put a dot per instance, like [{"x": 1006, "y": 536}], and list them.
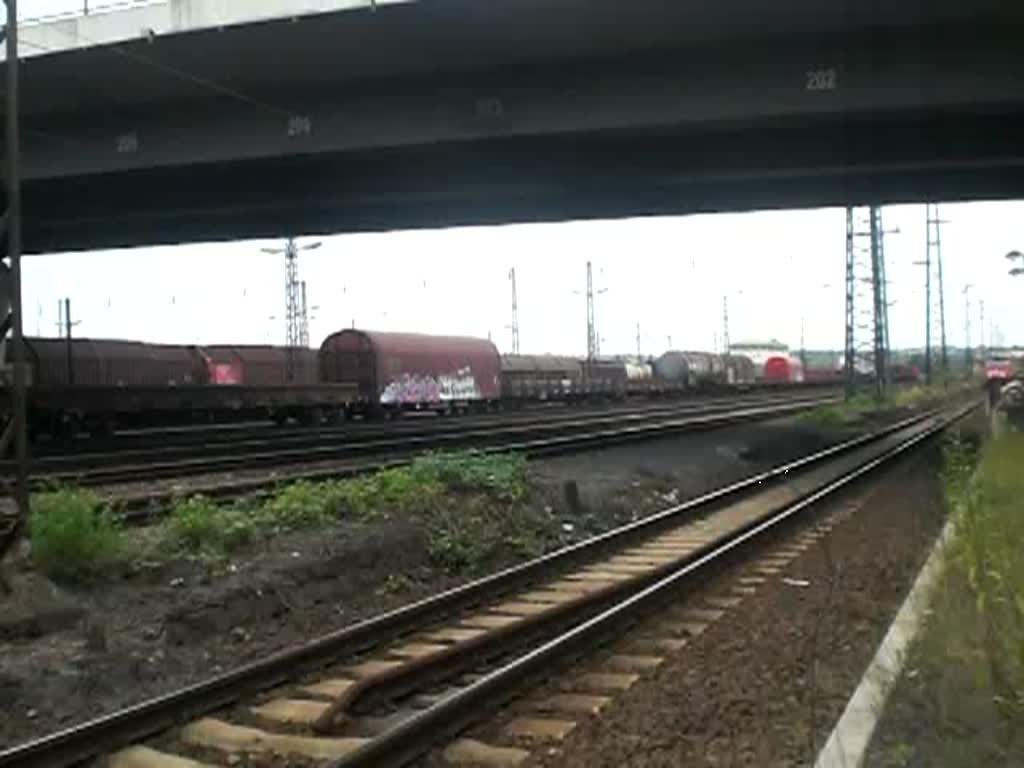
[
  {"x": 303, "y": 503},
  {"x": 458, "y": 540},
  {"x": 503, "y": 475},
  {"x": 71, "y": 530},
  {"x": 201, "y": 524}
]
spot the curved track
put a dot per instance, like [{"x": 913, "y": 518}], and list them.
[{"x": 385, "y": 691}]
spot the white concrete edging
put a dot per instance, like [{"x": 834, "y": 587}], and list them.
[{"x": 848, "y": 743}]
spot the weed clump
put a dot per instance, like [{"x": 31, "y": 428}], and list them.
[
  {"x": 455, "y": 495},
  {"x": 200, "y": 524},
  {"x": 72, "y": 531}
]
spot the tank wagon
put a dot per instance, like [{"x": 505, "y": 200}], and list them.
[
  {"x": 704, "y": 370},
  {"x": 393, "y": 372}
]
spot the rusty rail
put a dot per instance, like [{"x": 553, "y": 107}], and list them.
[
  {"x": 110, "y": 732},
  {"x": 414, "y": 737}
]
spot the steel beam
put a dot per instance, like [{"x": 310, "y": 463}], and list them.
[{"x": 13, "y": 220}]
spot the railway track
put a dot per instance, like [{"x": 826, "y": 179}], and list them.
[
  {"x": 387, "y": 690},
  {"x": 139, "y": 502},
  {"x": 202, "y": 446},
  {"x": 551, "y": 434},
  {"x": 206, "y": 436}
]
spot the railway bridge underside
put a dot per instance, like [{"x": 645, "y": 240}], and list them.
[{"x": 426, "y": 114}]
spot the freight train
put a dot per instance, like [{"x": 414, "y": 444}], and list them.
[{"x": 97, "y": 385}]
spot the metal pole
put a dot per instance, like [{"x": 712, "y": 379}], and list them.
[
  {"x": 803, "y": 349},
  {"x": 849, "y": 369},
  {"x": 981, "y": 328},
  {"x": 291, "y": 306},
  {"x": 591, "y": 336},
  {"x": 967, "y": 328},
  {"x": 303, "y": 317},
  {"x": 942, "y": 296},
  {"x": 68, "y": 362},
  {"x": 726, "y": 341},
  {"x": 14, "y": 253},
  {"x": 878, "y": 292},
  {"x": 515, "y": 312},
  {"x": 928, "y": 298}
]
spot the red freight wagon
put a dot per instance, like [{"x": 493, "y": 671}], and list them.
[
  {"x": 397, "y": 371},
  {"x": 111, "y": 363}
]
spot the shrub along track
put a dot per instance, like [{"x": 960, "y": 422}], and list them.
[
  {"x": 546, "y": 438},
  {"x": 386, "y": 690}
]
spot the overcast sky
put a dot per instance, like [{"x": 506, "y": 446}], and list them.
[{"x": 668, "y": 274}]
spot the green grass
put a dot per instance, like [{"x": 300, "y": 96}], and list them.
[
  {"x": 200, "y": 524},
  {"x": 988, "y": 509},
  {"x": 503, "y": 475},
  {"x": 471, "y": 504},
  {"x": 843, "y": 414},
  {"x": 445, "y": 491},
  {"x": 72, "y": 531},
  {"x": 854, "y": 410},
  {"x": 961, "y": 702}
]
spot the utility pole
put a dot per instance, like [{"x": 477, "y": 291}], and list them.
[
  {"x": 303, "y": 318},
  {"x": 638, "y": 356},
  {"x": 515, "y": 312},
  {"x": 850, "y": 346},
  {"x": 292, "y": 313},
  {"x": 968, "y": 355},
  {"x": 933, "y": 261},
  {"x": 866, "y": 313},
  {"x": 803, "y": 348},
  {"x": 295, "y": 317},
  {"x": 69, "y": 364},
  {"x": 591, "y": 333},
  {"x": 981, "y": 329},
  {"x": 593, "y": 338},
  {"x": 726, "y": 344},
  {"x": 942, "y": 300},
  {"x": 881, "y": 310}
]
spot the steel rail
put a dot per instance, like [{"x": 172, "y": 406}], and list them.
[
  {"x": 106, "y": 733},
  {"x": 452, "y": 714},
  {"x": 209, "y": 437},
  {"x": 459, "y": 438}
]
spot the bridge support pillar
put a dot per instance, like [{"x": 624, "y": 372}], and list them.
[{"x": 10, "y": 287}]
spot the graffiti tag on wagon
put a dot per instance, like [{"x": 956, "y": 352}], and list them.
[{"x": 414, "y": 388}]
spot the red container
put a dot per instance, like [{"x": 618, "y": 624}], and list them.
[
  {"x": 259, "y": 365},
  {"x": 412, "y": 369}
]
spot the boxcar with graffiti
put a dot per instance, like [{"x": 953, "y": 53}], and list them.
[{"x": 412, "y": 371}]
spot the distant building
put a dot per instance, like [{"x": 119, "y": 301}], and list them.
[{"x": 759, "y": 351}]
